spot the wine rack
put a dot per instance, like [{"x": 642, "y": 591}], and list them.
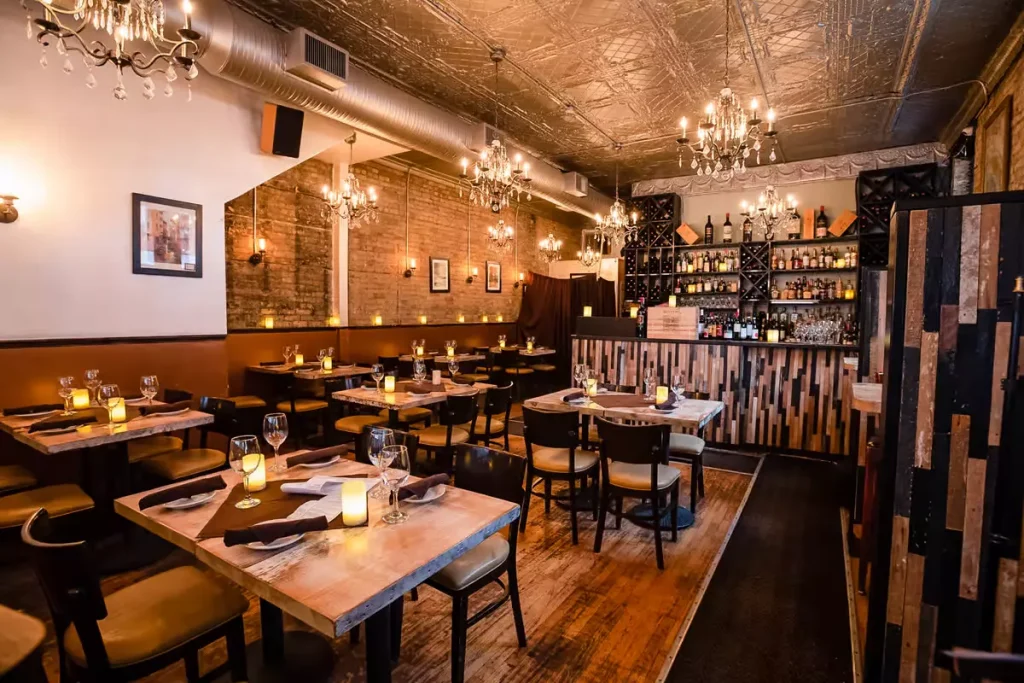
[{"x": 876, "y": 192}]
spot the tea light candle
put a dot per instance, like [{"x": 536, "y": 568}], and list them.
[
  {"x": 423, "y": 320},
  {"x": 328, "y": 364},
  {"x": 80, "y": 399},
  {"x": 268, "y": 322},
  {"x": 672, "y": 300},
  {"x": 592, "y": 386},
  {"x": 723, "y": 267},
  {"x": 501, "y": 343},
  {"x": 661, "y": 394},
  {"x": 334, "y": 321},
  {"x": 484, "y": 319},
  {"x": 389, "y": 384},
  {"x": 588, "y": 311},
  {"x": 353, "y": 503},
  {"x": 849, "y": 294},
  {"x": 451, "y": 352},
  {"x": 299, "y": 359},
  {"x": 500, "y": 318},
  {"x": 634, "y": 311},
  {"x": 773, "y": 336},
  {"x": 435, "y": 377},
  {"x": 378, "y": 320},
  {"x": 118, "y": 412},
  {"x": 419, "y": 350},
  {"x": 461, "y": 318},
  {"x": 257, "y": 481}
]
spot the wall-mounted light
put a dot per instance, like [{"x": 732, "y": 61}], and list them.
[
  {"x": 500, "y": 318},
  {"x": 423, "y": 320},
  {"x": 461, "y": 318},
  {"x": 484, "y": 319},
  {"x": 8, "y": 212},
  {"x": 334, "y": 321},
  {"x": 259, "y": 252},
  {"x": 473, "y": 273},
  {"x": 378, "y": 320},
  {"x": 268, "y": 322},
  {"x": 410, "y": 267}
]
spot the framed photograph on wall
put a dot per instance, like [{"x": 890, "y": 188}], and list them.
[
  {"x": 440, "y": 276},
  {"x": 167, "y": 237},
  {"x": 493, "y": 277},
  {"x": 995, "y": 148}
]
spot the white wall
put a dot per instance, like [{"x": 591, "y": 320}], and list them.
[{"x": 75, "y": 156}]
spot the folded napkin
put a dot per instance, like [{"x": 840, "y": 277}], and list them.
[
  {"x": 419, "y": 488},
  {"x": 573, "y": 395},
  {"x": 62, "y": 422},
  {"x": 268, "y": 532},
  {"x": 31, "y": 410},
  {"x": 459, "y": 379},
  {"x": 165, "y": 408},
  {"x": 315, "y": 456},
  {"x": 186, "y": 490},
  {"x": 668, "y": 404},
  {"x": 423, "y": 387},
  {"x": 322, "y": 486},
  {"x": 270, "y": 363}
]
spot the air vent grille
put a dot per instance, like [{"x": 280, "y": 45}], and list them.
[
  {"x": 313, "y": 59},
  {"x": 326, "y": 57}
]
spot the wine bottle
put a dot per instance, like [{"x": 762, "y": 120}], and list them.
[
  {"x": 748, "y": 230},
  {"x": 727, "y": 229},
  {"x": 641, "y": 319},
  {"x": 709, "y": 231},
  {"x": 821, "y": 224}
]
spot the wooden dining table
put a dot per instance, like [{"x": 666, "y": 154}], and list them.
[
  {"x": 442, "y": 358},
  {"x": 336, "y": 579},
  {"x": 535, "y": 353},
  {"x": 310, "y": 371},
  {"x": 399, "y": 400}
]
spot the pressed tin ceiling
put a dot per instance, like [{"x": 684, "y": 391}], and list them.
[{"x": 844, "y": 75}]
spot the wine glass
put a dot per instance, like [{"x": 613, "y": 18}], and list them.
[
  {"x": 287, "y": 352},
  {"x": 650, "y": 382},
  {"x": 320, "y": 355},
  {"x": 379, "y": 439},
  {"x": 67, "y": 387},
  {"x": 245, "y": 457},
  {"x": 394, "y": 474},
  {"x": 92, "y": 383},
  {"x": 453, "y": 368},
  {"x": 501, "y": 341},
  {"x": 419, "y": 370},
  {"x": 275, "y": 431},
  {"x": 149, "y": 386},
  {"x": 377, "y": 373},
  {"x": 107, "y": 396},
  {"x": 678, "y": 385},
  {"x": 579, "y": 373}
]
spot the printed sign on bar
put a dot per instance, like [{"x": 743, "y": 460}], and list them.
[{"x": 672, "y": 323}]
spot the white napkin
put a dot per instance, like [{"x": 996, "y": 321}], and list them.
[
  {"x": 324, "y": 486},
  {"x": 328, "y": 506}
]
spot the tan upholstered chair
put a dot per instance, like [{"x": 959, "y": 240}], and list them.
[
  {"x": 690, "y": 448},
  {"x": 62, "y": 500},
  {"x": 438, "y": 440},
  {"x": 15, "y": 478},
  {"x": 148, "y": 446},
  {"x": 187, "y": 463}
]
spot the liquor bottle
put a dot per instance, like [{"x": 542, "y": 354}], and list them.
[
  {"x": 805, "y": 259},
  {"x": 775, "y": 291},
  {"x": 727, "y": 229},
  {"x": 828, "y": 259},
  {"x": 821, "y": 224},
  {"x": 678, "y": 288},
  {"x": 707, "y": 262},
  {"x": 813, "y": 265},
  {"x": 709, "y": 231},
  {"x": 794, "y": 261},
  {"x": 727, "y": 331},
  {"x": 641, "y": 319},
  {"x": 851, "y": 261},
  {"x": 700, "y": 325},
  {"x": 775, "y": 260},
  {"x": 783, "y": 324},
  {"x": 748, "y": 230}
]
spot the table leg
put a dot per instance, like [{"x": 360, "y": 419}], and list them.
[
  {"x": 685, "y": 517},
  {"x": 586, "y": 433},
  {"x": 393, "y": 418},
  {"x": 378, "y": 646},
  {"x": 283, "y": 656}
]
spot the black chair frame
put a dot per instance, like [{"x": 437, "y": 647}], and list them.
[
  {"x": 456, "y": 410},
  {"x": 497, "y": 401}
]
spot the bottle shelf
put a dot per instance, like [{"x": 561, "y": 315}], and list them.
[
  {"x": 811, "y": 302},
  {"x": 814, "y": 240},
  {"x": 804, "y": 271}
]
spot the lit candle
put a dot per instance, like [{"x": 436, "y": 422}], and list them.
[
  {"x": 591, "y": 386},
  {"x": 419, "y": 350},
  {"x": 299, "y": 359},
  {"x": 634, "y": 311},
  {"x": 423, "y": 320},
  {"x": 672, "y": 300},
  {"x": 334, "y": 321},
  {"x": 80, "y": 399},
  {"x": 118, "y": 412},
  {"x": 500, "y": 318},
  {"x": 461, "y": 318},
  {"x": 773, "y": 336},
  {"x": 529, "y": 346},
  {"x": 378, "y": 320},
  {"x": 268, "y": 322},
  {"x": 451, "y": 351},
  {"x": 435, "y": 377},
  {"x": 682, "y": 124},
  {"x": 723, "y": 267},
  {"x": 353, "y": 503},
  {"x": 257, "y": 481},
  {"x": 501, "y": 343},
  {"x": 412, "y": 264},
  {"x": 661, "y": 394},
  {"x": 588, "y": 311},
  {"x": 389, "y": 384},
  {"x": 849, "y": 293},
  {"x": 484, "y": 319},
  {"x": 328, "y": 364}
]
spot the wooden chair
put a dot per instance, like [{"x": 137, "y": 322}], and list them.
[
  {"x": 15, "y": 478},
  {"x": 148, "y": 446},
  {"x": 556, "y": 459},
  {"x": 189, "y": 462},
  {"x": 348, "y": 423},
  {"x": 139, "y": 629},
  {"x": 496, "y": 411},
  {"x": 390, "y": 363},
  {"x": 302, "y": 407},
  {"x": 70, "y": 507},
  {"x": 476, "y": 376},
  {"x": 487, "y": 365},
  {"x": 689, "y": 448},
  {"x": 437, "y": 441},
  {"x": 513, "y": 368},
  {"x": 408, "y": 439},
  {"x": 500, "y": 475},
  {"x": 633, "y": 465},
  {"x": 21, "y": 643}
]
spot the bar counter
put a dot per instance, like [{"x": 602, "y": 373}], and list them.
[{"x": 779, "y": 395}]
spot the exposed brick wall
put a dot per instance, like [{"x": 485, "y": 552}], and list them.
[
  {"x": 1012, "y": 85},
  {"x": 438, "y": 227},
  {"x": 294, "y": 283}
]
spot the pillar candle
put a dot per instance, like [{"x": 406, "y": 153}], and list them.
[
  {"x": 435, "y": 377},
  {"x": 353, "y": 503},
  {"x": 419, "y": 350},
  {"x": 423, "y": 320},
  {"x": 378, "y": 320},
  {"x": 661, "y": 394},
  {"x": 500, "y": 318},
  {"x": 389, "y": 384},
  {"x": 451, "y": 351},
  {"x": 299, "y": 359},
  {"x": 462, "y": 318},
  {"x": 591, "y": 386},
  {"x": 328, "y": 364},
  {"x": 529, "y": 346},
  {"x": 80, "y": 399},
  {"x": 588, "y": 311},
  {"x": 634, "y": 311},
  {"x": 672, "y": 300},
  {"x": 501, "y": 343},
  {"x": 268, "y": 322},
  {"x": 773, "y": 336},
  {"x": 118, "y": 412},
  {"x": 484, "y": 319},
  {"x": 257, "y": 481}
]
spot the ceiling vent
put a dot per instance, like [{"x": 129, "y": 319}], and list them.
[
  {"x": 313, "y": 59},
  {"x": 575, "y": 184}
]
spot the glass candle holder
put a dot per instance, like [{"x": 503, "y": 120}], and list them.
[
  {"x": 118, "y": 412},
  {"x": 588, "y": 311},
  {"x": 661, "y": 394},
  {"x": 389, "y": 384},
  {"x": 299, "y": 359},
  {"x": 353, "y": 503},
  {"x": 80, "y": 399},
  {"x": 257, "y": 481},
  {"x": 672, "y": 300}
]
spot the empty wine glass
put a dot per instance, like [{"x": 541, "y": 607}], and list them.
[
  {"x": 453, "y": 368},
  {"x": 245, "y": 457},
  {"x": 650, "y": 382},
  {"x": 419, "y": 370},
  {"x": 379, "y": 439},
  {"x": 275, "y": 431},
  {"x": 67, "y": 388},
  {"x": 287, "y": 352},
  {"x": 320, "y": 355},
  {"x": 394, "y": 474},
  {"x": 92, "y": 383},
  {"x": 149, "y": 386},
  {"x": 579, "y": 374},
  {"x": 678, "y": 385},
  {"x": 107, "y": 396},
  {"x": 377, "y": 373}
]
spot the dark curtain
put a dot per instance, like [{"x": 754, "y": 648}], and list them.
[{"x": 551, "y": 306}]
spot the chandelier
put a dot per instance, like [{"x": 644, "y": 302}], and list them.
[
  {"x": 771, "y": 212},
  {"x": 352, "y": 203},
  {"x": 500, "y": 236},
  {"x": 550, "y": 248},
  {"x": 727, "y": 133},
  {"x": 589, "y": 256},
  {"x": 124, "y": 21},
  {"x": 619, "y": 226},
  {"x": 496, "y": 178}
]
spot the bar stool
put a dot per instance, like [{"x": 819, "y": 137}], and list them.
[{"x": 187, "y": 463}]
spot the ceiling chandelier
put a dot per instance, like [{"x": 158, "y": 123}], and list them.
[
  {"x": 588, "y": 256},
  {"x": 550, "y": 248},
  {"x": 124, "y": 21},
  {"x": 496, "y": 178},
  {"x": 727, "y": 133},
  {"x": 500, "y": 237},
  {"x": 352, "y": 203},
  {"x": 771, "y": 212},
  {"x": 618, "y": 226}
]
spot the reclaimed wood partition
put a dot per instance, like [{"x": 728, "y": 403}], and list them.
[{"x": 951, "y": 481}]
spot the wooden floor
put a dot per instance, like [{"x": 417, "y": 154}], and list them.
[{"x": 606, "y": 617}]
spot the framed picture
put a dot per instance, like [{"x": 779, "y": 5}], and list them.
[
  {"x": 440, "y": 275},
  {"x": 493, "y": 277},
  {"x": 167, "y": 237},
  {"x": 995, "y": 148}
]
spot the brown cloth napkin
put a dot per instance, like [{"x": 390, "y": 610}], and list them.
[
  {"x": 619, "y": 401},
  {"x": 419, "y": 488},
  {"x": 62, "y": 422},
  {"x": 459, "y": 379},
  {"x": 423, "y": 387},
  {"x": 268, "y": 532},
  {"x": 315, "y": 456},
  {"x": 186, "y": 490},
  {"x": 668, "y": 404},
  {"x": 31, "y": 410},
  {"x": 573, "y": 395},
  {"x": 165, "y": 408},
  {"x": 270, "y": 363}
]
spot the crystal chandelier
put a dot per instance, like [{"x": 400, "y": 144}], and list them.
[
  {"x": 352, "y": 203},
  {"x": 124, "y": 21},
  {"x": 588, "y": 256},
  {"x": 500, "y": 237},
  {"x": 771, "y": 212},
  {"x": 619, "y": 226},
  {"x": 727, "y": 133},
  {"x": 496, "y": 178},
  {"x": 550, "y": 248}
]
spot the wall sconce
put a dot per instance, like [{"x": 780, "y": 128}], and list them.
[
  {"x": 334, "y": 321},
  {"x": 423, "y": 320},
  {"x": 8, "y": 212},
  {"x": 259, "y": 251},
  {"x": 410, "y": 267},
  {"x": 461, "y": 318},
  {"x": 520, "y": 281},
  {"x": 378, "y": 320},
  {"x": 268, "y": 322},
  {"x": 484, "y": 319},
  {"x": 473, "y": 272}
]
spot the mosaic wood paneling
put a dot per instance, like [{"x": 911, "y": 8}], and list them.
[
  {"x": 778, "y": 397},
  {"x": 953, "y": 574}
]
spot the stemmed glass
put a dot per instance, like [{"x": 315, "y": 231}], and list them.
[
  {"x": 287, "y": 352},
  {"x": 377, "y": 373},
  {"x": 321, "y": 354},
  {"x": 67, "y": 387},
  {"x": 380, "y": 439},
  {"x": 275, "y": 431},
  {"x": 678, "y": 385},
  {"x": 107, "y": 395},
  {"x": 92, "y": 383},
  {"x": 419, "y": 370},
  {"x": 149, "y": 386},
  {"x": 394, "y": 475},
  {"x": 453, "y": 368},
  {"x": 501, "y": 341},
  {"x": 245, "y": 456},
  {"x": 650, "y": 382},
  {"x": 579, "y": 374},
  {"x": 450, "y": 347}
]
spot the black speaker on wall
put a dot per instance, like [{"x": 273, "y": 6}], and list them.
[{"x": 282, "y": 130}]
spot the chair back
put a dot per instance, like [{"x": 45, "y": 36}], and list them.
[
  {"x": 332, "y": 385},
  {"x": 390, "y": 363},
  {"x": 175, "y": 395},
  {"x": 71, "y": 583},
  {"x": 551, "y": 429},
  {"x": 485, "y": 351},
  {"x": 509, "y": 358},
  {"x": 621, "y": 388},
  {"x": 225, "y": 417},
  {"x": 498, "y": 400},
  {"x": 459, "y": 409},
  {"x": 405, "y": 368},
  {"x": 494, "y": 473},
  {"x": 430, "y": 364},
  {"x": 407, "y": 439},
  {"x": 633, "y": 444}
]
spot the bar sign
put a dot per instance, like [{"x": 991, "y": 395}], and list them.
[{"x": 687, "y": 233}]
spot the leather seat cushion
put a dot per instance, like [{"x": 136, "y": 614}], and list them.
[
  {"x": 474, "y": 564},
  {"x": 353, "y": 424},
  {"x": 147, "y": 447},
  {"x": 544, "y": 367},
  {"x": 685, "y": 444},
  {"x": 61, "y": 499},
  {"x": 160, "y": 613},
  {"x": 474, "y": 376},
  {"x": 519, "y": 371},
  {"x": 409, "y": 414},
  {"x": 557, "y": 459},
  {"x": 184, "y": 464},
  {"x": 638, "y": 477},
  {"x": 15, "y": 478},
  {"x": 302, "y": 405},
  {"x": 497, "y": 426},
  {"x": 243, "y": 402},
  {"x": 437, "y": 435}
]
